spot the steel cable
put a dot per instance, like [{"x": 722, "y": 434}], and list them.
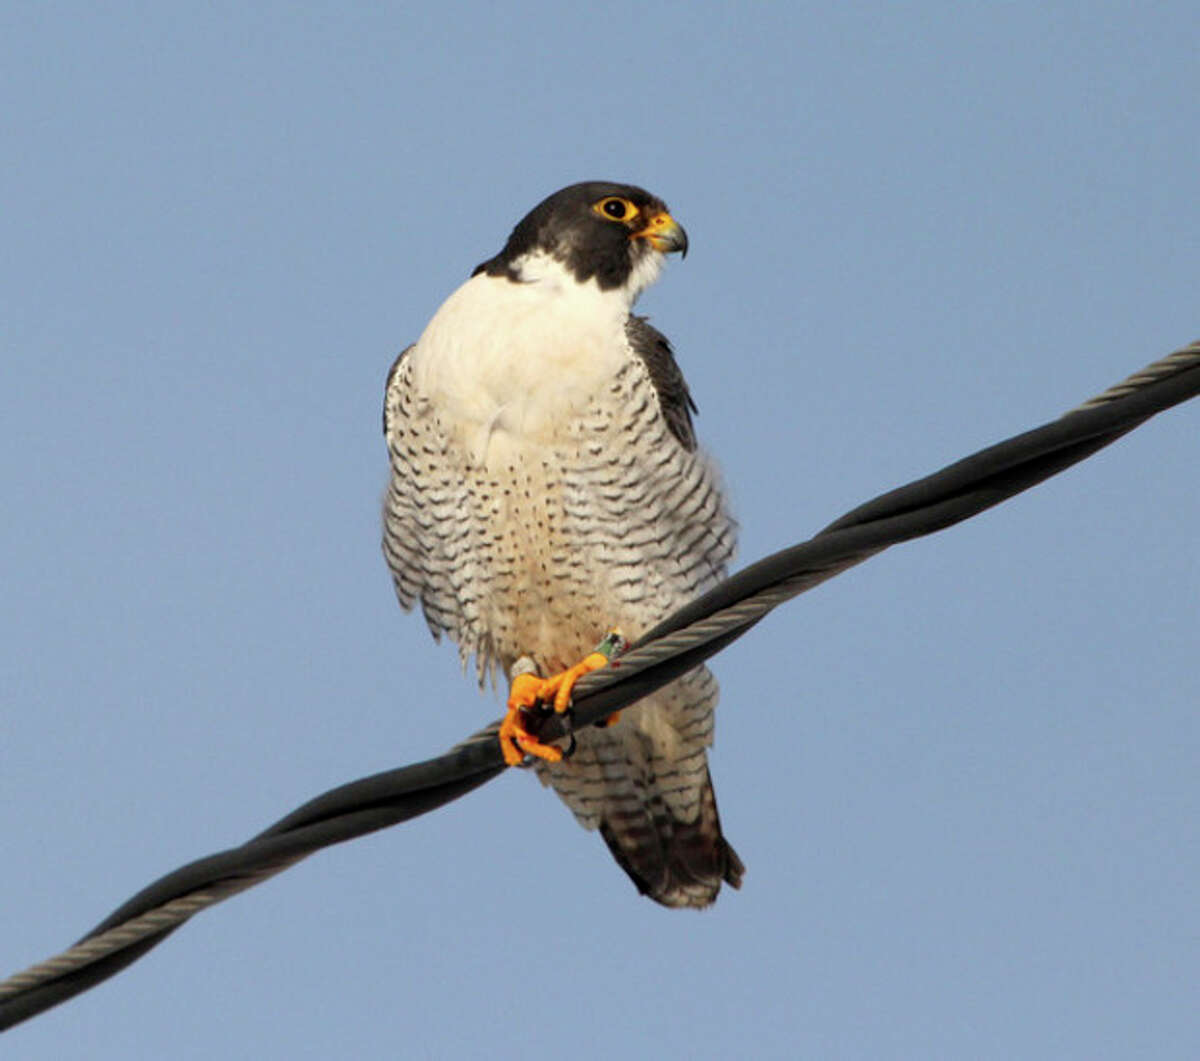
[{"x": 683, "y": 640}]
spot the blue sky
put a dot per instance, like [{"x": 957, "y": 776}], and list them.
[{"x": 965, "y": 777}]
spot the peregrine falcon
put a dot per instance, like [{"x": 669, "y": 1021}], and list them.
[{"x": 546, "y": 489}]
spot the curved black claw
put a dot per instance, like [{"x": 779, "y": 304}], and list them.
[{"x": 568, "y": 719}]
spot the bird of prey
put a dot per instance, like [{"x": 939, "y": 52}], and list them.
[{"x": 546, "y": 489}]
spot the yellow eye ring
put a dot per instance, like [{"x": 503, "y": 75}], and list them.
[{"x": 615, "y": 208}]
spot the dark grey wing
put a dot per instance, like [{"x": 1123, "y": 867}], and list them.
[
  {"x": 406, "y": 523},
  {"x": 414, "y": 507},
  {"x": 387, "y": 387},
  {"x": 674, "y": 398}
]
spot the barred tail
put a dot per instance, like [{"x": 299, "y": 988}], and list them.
[{"x": 673, "y": 862}]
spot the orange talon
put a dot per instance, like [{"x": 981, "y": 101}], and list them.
[
  {"x": 528, "y": 690},
  {"x": 562, "y": 684},
  {"x": 516, "y": 741}
]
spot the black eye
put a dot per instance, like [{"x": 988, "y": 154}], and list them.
[{"x": 615, "y": 208}]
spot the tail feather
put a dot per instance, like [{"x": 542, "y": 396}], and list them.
[
  {"x": 644, "y": 783},
  {"x": 675, "y": 863}
]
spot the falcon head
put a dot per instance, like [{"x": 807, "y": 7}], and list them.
[{"x": 615, "y": 234}]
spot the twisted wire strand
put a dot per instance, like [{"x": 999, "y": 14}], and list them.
[
  {"x": 157, "y": 921},
  {"x": 653, "y": 650},
  {"x": 740, "y": 617},
  {"x": 1183, "y": 358},
  {"x": 680, "y": 642}
]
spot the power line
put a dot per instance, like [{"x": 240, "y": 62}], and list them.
[{"x": 683, "y": 640}]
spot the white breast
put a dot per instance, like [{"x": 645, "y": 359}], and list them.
[{"x": 519, "y": 358}]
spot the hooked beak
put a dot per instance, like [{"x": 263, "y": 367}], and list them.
[{"x": 664, "y": 234}]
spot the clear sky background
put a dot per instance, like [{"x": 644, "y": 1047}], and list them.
[{"x": 965, "y": 777}]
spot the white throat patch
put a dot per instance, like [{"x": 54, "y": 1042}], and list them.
[
  {"x": 507, "y": 361},
  {"x": 538, "y": 267}
]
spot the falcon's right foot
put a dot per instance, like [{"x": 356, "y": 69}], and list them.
[
  {"x": 515, "y": 740},
  {"x": 526, "y": 692}
]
